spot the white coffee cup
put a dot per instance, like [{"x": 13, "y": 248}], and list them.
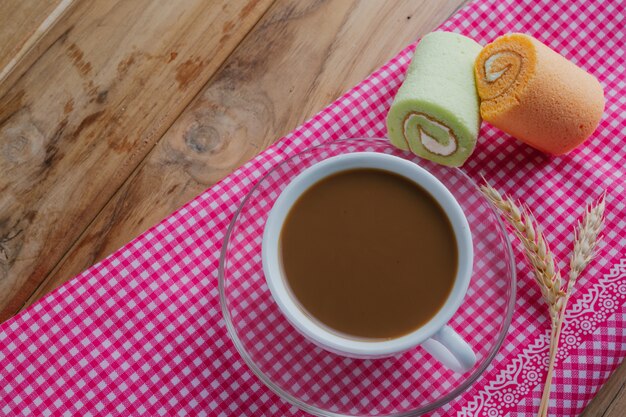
[{"x": 434, "y": 336}]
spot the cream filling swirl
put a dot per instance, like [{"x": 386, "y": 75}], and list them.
[
  {"x": 498, "y": 65},
  {"x": 490, "y": 74},
  {"x": 430, "y": 143}
]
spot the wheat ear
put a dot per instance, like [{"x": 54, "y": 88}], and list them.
[{"x": 536, "y": 249}]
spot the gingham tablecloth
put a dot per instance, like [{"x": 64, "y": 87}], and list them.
[{"x": 141, "y": 332}]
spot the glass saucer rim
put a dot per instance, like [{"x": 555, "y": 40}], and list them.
[{"x": 291, "y": 399}]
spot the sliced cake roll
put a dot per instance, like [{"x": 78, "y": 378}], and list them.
[
  {"x": 436, "y": 111},
  {"x": 536, "y": 95}
]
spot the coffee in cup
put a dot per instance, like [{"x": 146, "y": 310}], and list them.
[{"x": 368, "y": 255}]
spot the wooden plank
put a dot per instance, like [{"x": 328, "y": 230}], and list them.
[
  {"x": 610, "y": 401},
  {"x": 299, "y": 57},
  {"x": 78, "y": 122},
  {"x": 23, "y": 26}
]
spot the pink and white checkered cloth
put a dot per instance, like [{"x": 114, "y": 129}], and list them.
[{"x": 141, "y": 333}]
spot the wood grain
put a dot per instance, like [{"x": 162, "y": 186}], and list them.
[
  {"x": 610, "y": 401},
  {"x": 276, "y": 79},
  {"x": 78, "y": 122},
  {"x": 19, "y": 20},
  {"x": 24, "y": 25}
]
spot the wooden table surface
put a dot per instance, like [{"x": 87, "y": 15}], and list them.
[{"x": 115, "y": 113}]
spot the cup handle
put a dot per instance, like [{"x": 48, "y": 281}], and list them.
[{"x": 451, "y": 350}]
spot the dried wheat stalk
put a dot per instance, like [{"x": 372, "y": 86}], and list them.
[
  {"x": 586, "y": 240},
  {"x": 547, "y": 276}
]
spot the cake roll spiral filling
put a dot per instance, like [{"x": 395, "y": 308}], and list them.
[
  {"x": 434, "y": 136},
  {"x": 501, "y": 70}
]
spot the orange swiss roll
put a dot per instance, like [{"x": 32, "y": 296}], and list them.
[{"x": 536, "y": 95}]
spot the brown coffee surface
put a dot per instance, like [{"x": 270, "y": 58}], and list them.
[{"x": 369, "y": 254}]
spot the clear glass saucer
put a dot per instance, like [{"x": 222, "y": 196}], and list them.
[{"x": 327, "y": 384}]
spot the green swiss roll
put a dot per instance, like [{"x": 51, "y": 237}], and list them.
[{"x": 436, "y": 112}]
